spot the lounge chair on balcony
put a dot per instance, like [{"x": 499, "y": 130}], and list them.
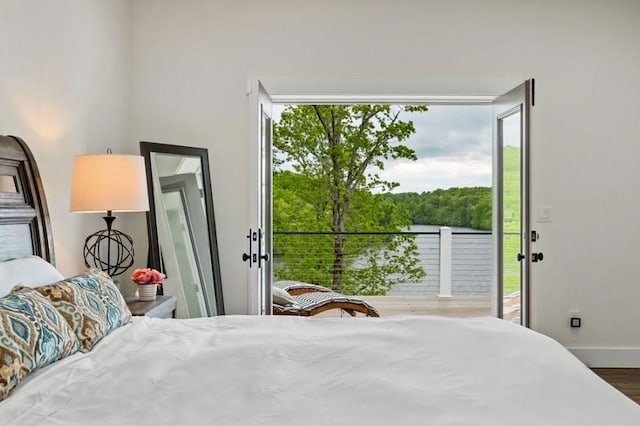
[{"x": 304, "y": 299}]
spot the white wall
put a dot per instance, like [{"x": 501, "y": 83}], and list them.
[
  {"x": 192, "y": 60},
  {"x": 65, "y": 88},
  {"x": 81, "y": 75}
]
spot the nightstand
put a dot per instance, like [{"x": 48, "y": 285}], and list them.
[{"x": 162, "y": 307}]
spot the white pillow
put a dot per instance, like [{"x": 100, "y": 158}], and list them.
[
  {"x": 281, "y": 297},
  {"x": 32, "y": 271}
]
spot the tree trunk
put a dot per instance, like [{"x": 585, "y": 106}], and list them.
[
  {"x": 340, "y": 208},
  {"x": 338, "y": 262}
]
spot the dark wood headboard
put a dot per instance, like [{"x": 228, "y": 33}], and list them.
[{"x": 25, "y": 228}]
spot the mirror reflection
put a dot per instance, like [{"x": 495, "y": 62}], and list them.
[{"x": 181, "y": 226}]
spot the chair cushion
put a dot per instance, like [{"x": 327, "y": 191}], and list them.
[
  {"x": 281, "y": 297},
  {"x": 33, "y": 334},
  {"x": 298, "y": 287}
]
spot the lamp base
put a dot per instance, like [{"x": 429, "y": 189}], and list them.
[{"x": 109, "y": 250}]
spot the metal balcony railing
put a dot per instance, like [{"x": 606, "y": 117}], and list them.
[{"x": 455, "y": 262}]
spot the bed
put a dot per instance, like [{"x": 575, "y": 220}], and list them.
[{"x": 279, "y": 370}]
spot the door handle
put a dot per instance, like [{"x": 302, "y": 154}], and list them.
[{"x": 535, "y": 257}]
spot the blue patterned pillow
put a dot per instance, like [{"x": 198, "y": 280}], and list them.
[
  {"x": 33, "y": 334},
  {"x": 91, "y": 303},
  {"x": 101, "y": 285}
]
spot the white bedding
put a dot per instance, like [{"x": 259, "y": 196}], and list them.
[{"x": 242, "y": 370}]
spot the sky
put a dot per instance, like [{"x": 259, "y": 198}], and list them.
[{"x": 453, "y": 146}]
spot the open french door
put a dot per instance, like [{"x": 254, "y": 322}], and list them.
[
  {"x": 512, "y": 233},
  {"x": 259, "y": 236}
]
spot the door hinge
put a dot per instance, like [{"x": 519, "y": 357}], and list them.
[
  {"x": 251, "y": 257},
  {"x": 533, "y": 92}
]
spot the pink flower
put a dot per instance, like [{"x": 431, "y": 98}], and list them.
[{"x": 147, "y": 276}]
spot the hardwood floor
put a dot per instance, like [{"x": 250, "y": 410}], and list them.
[{"x": 626, "y": 380}]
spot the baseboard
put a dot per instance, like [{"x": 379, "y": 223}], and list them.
[{"x": 608, "y": 357}]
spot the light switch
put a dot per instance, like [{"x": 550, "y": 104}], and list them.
[{"x": 544, "y": 214}]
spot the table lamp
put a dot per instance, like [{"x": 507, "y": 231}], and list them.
[{"x": 108, "y": 183}]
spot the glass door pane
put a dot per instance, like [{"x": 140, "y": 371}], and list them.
[
  {"x": 265, "y": 234},
  {"x": 511, "y": 204},
  {"x": 510, "y": 131}
]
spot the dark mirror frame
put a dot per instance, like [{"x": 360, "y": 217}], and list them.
[{"x": 154, "y": 259}]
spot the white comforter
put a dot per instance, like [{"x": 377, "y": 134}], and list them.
[{"x": 241, "y": 370}]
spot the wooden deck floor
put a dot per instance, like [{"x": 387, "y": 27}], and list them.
[{"x": 462, "y": 306}]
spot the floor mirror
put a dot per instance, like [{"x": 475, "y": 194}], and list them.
[{"x": 181, "y": 226}]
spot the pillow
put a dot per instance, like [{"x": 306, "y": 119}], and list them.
[
  {"x": 91, "y": 303},
  {"x": 29, "y": 271},
  {"x": 281, "y": 297},
  {"x": 33, "y": 334}
]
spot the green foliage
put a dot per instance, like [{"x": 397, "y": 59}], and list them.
[
  {"x": 371, "y": 263},
  {"x": 299, "y": 203},
  {"x": 463, "y": 207},
  {"x": 332, "y": 150}
]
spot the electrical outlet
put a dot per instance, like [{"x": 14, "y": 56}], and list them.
[{"x": 575, "y": 321}]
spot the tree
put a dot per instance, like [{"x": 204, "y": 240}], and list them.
[
  {"x": 337, "y": 148},
  {"x": 465, "y": 207}
]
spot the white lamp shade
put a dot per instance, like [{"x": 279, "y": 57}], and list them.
[{"x": 109, "y": 182}]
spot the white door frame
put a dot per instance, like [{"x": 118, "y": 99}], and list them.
[
  {"x": 257, "y": 258},
  {"x": 255, "y": 87},
  {"x": 515, "y": 101}
]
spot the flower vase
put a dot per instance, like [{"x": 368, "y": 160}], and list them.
[{"x": 147, "y": 292}]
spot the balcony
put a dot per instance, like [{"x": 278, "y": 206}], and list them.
[{"x": 457, "y": 266}]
